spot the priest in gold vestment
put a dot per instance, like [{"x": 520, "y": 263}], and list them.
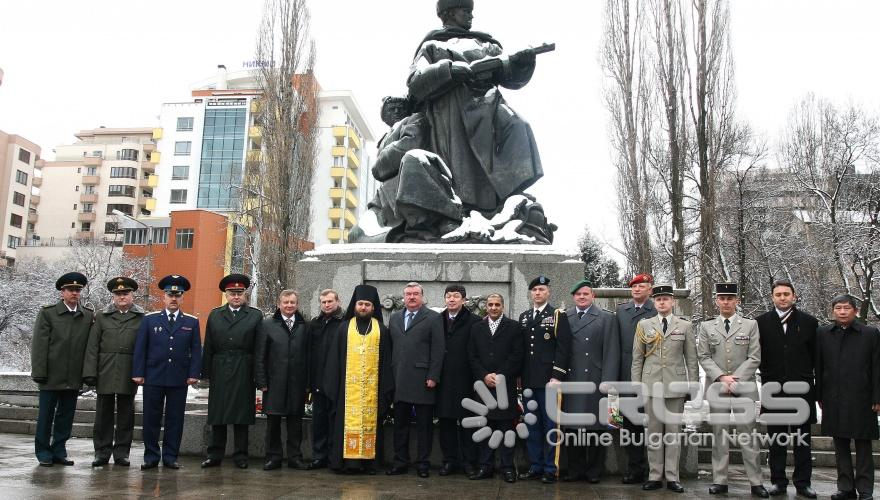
[{"x": 359, "y": 383}]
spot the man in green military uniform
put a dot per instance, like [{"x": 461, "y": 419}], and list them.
[
  {"x": 228, "y": 362},
  {"x": 61, "y": 333},
  {"x": 108, "y": 365},
  {"x": 664, "y": 351},
  {"x": 729, "y": 350}
]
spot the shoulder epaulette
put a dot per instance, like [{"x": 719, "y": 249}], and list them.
[
  {"x": 256, "y": 309},
  {"x": 152, "y": 313},
  {"x": 218, "y": 308},
  {"x": 88, "y": 308},
  {"x": 190, "y": 315},
  {"x": 47, "y": 306}
]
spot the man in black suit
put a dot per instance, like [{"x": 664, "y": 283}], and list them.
[
  {"x": 788, "y": 354},
  {"x": 495, "y": 350},
  {"x": 416, "y": 360}
]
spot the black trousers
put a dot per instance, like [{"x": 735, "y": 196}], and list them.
[
  {"x": 803, "y": 462},
  {"x": 636, "y": 459},
  {"x": 456, "y": 444},
  {"x": 273, "y": 437},
  {"x": 170, "y": 402},
  {"x": 110, "y": 409},
  {"x": 217, "y": 446},
  {"x": 587, "y": 461},
  {"x": 424, "y": 434},
  {"x": 54, "y": 424},
  {"x": 320, "y": 426},
  {"x": 487, "y": 454},
  {"x": 863, "y": 479}
]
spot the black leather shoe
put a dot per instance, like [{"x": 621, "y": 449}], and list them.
[
  {"x": 843, "y": 495},
  {"x": 241, "y": 464},
  {"x": 272, "y": 465},
  {"x": 211, "y": 462},
  {"x": 548, "y": 478},
  {"x": 632, "y": 479},
  {"x": 866, "y": 496},
  {"x": 298, "y": 464},
  {"x": 62, "y": 461},
  {"x": 674, "y": 486},
  {"x": 423, "y": 473},
  {"x": 122, "y": 462},
  {"x": 447, "y": 469},
  {"x": 171, "y": 465},
  {"x": 319, "y": 464},
  {"x": 531, "y": 475},
  {"x": 100, "y": 462},
  {"x": 760, "y": 491},
  {"x": 481, "y": 474},
  {"x": 806, "y": 492},
  {"x": 509, "y": 476},
  {"x": 149, "y": 465},
  {"x": 572, "y": 478},
  {"x": 717, "y": 489},
  {"x": 652, "y": 485},
  {"x": 776, "y": 489},
  {"x": 468, "y": 469},
  {"x": 593, "y": 480},
  {"x": 46, "y": 463},
  {"x": 396, "y": 471}
]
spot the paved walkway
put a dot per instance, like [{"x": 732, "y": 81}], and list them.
[{"x": 23, "y": 478}]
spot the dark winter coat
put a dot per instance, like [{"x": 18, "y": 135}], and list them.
[
  {"x": 628, "y": 316},
  {"x": 322, "y": 329},
  {"x": 789, "y": 356},
  {"x": 456, "y": 380},
  {"x": 110, "y": 350},
  {"x": 228, "y": 363},
  {"x": 282, "y": 365},
  {"x": 501, "y": 354},
  {"x": 58, "y": 347},
  {"x": 848, "y": 380},
  {"x": 417, "y": 356}
]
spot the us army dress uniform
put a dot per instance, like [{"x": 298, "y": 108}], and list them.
[
  {"x": 664, "y": 353},
  {"x": 731, "y": 346},
  {"x": 165, "y": 356}
]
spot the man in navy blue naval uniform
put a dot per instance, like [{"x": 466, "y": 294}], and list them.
[{"x": 167, "y": 360}]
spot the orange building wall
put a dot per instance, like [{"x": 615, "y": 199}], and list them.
[{"x": 203, "y": 265}]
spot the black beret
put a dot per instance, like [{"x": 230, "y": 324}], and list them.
[
  {"x": 540, "y": 280},
  {"x": 71, "y": 280}
]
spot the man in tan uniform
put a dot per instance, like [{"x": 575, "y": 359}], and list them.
[
  {"x": 664, "y": 351},
  {"x": 730, "y": 353}
]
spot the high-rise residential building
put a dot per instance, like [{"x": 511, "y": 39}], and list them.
[
  {"x": 107, "y": 169},
  {"x": 18, "y": 156},
  {"x": 343, "y": 184}
]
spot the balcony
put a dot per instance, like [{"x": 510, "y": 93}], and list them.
[
  {"x": 84, "y": 235},
  {"x": 255, "y": 133},
  {"x": 151, "y": 204},
  {"x": 86, "y": 217},
  {"x": 149, "y": 147},
  {"x": 148, "y": 167},
  {"x": 256, "y": 107},
  {"x": 336, "y": 193},
  {"x": 33, "y": 217},
  {"x": 155, "y": 157},
  {"x": 37, "y": 181},
  {"x": 347, "y": 215},
  {"x": 88, "y": 198},
  {"x": 150, "y": 182},
  {"x": 353, "y": 182},
  {"x": 350, "y": 199},
  {"x": 342, "y": 132},
  {"x": 157, "y": 134},
  {"x": 334, "y": 234},
  {"x": 92, "y": 161},
  {"x": 91, "y": 180},
  {"x": 254, "y": 155},
  {"x": 144, "y": 201},
  {"x": 353, "y": 160},
  {"x": 35, "y": 199}
]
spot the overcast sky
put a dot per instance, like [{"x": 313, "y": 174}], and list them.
[{"x": 72, "y": 65}]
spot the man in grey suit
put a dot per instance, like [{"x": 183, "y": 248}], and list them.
[
  {"x": 416, "y": 360},
  {"x": 594, "y": 357},
  {"x": 628, "y": 316},
  {"x": 729, "y": 349}
]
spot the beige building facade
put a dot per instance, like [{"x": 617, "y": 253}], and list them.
[{"x": 18, "y": 156}]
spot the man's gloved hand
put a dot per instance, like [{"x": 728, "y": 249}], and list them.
[
  {"x": 461, "y": 73},
  {"x": 523, "y": 58}
]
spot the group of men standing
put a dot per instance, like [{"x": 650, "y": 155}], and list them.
[{"x": 357, "y": 371}]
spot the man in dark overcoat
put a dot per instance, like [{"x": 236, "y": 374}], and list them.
[
  {"x": 456, "y": 383},
  {"x": 628, "y": 316},
  {"x": 418, "y": 344},
  {"x": 594, "y": 357},
  {"x": 848, "y": 392},
  {"x": 167, "y": 360},
  {"x": 228, "y": 364},
  {"x": 788, "y": 354},
  {"x": 58, "y": 348},
  {"x": 108, "y": 365},
  {"x": 282, "y": 372},
  {"x": 322, "y": 329},
  {"x": 495, "y": 352}
]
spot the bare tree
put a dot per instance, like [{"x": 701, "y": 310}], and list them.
[
  {"x": 276, "y": 190},
  {"x": 627, "y": 64}
]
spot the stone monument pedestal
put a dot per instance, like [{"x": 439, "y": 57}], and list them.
[{"x": 482, "y": 269}]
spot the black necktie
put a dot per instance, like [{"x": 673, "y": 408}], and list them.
[
  {"x": 665, "y": 325},
  {"x": 581, "y": 314},
  {"x": 233, "y": 314},
  {"x": 727, "y": 325},
  {"x": 171, "y": 320},
  {"x": 289, "y": 323}
]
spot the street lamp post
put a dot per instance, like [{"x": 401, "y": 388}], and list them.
[{"x": 119, "y": 213}]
